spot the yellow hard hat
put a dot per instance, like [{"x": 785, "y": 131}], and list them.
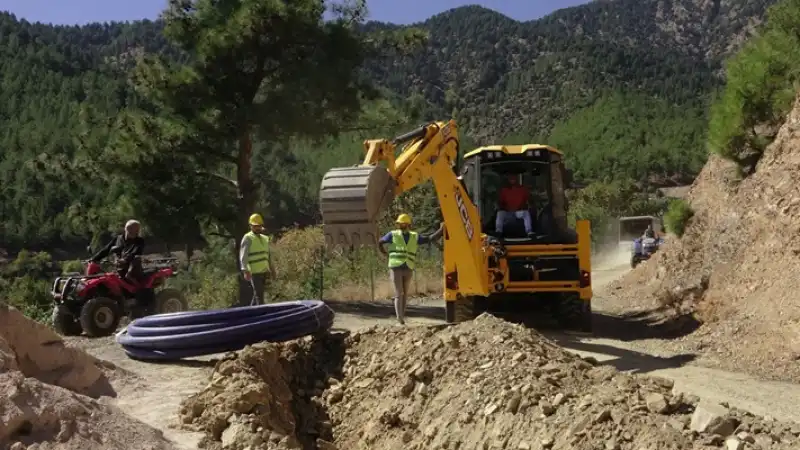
[
  {"x": 256, "y": 219},
  {"x": 404, "y": 219}
]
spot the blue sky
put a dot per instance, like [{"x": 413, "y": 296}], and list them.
[{"x": 397, "y": 11}]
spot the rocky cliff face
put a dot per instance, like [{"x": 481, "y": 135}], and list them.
[{"x": 737, "y": 267}]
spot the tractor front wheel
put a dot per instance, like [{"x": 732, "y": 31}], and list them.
[{"x": 460, "y": 310}]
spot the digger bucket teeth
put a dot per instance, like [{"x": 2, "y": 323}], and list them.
[{"x": 351, "y": 201}]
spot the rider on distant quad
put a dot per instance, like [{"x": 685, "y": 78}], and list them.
[
  {"x": 128, "y": 247},
  {"x": 649, "y": 233}
]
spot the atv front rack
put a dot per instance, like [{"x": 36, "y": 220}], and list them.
[{"x": 62, "y": 285}]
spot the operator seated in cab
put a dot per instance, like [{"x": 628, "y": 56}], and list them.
[{"x": 513, "y": 202}]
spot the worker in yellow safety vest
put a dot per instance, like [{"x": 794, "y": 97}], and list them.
[
  {"x": 255, "y": 258},
  {"x": 403, "y": 244}
]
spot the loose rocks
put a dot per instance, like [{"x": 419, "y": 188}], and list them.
[{"x": 485, "y": 384}]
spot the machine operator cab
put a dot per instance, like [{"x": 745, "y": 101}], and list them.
[{"x": 539, "y": 170}]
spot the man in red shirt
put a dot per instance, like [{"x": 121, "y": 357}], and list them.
[{"x": 514, "y": 203}]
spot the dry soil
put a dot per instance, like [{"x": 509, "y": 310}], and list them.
[{"x": 419, "y": 386}]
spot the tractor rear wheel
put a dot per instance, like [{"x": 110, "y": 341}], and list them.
[
  {"x": 460, "y": 310},
  {"x": 575, "y": 314}
]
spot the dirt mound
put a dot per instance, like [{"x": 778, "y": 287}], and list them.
[
  {"x": 485, "y": 384},
  {"x": 49, "y": 392},
  {"x": 737, "y": 265}
]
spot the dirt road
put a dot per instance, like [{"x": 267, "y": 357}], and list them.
[
  {"x": 629, "y": 344},
  {"x": 152, "y": 392}
]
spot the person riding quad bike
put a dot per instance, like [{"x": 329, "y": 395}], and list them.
[
  {"x": 128, "y": 248},
  {"x": 649, "y": 233}
]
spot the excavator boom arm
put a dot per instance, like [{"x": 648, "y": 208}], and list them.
[{"x": 352, "y": 199}]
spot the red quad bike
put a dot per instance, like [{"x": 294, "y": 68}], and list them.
[{"x": 95, "y": 302}]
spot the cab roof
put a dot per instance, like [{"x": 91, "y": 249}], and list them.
[{"x": 512, "y": 149}]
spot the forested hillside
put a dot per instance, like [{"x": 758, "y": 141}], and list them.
[
  {"x": 507, "y": 79},
  {"x": 621, "y": 86},
  {"x": 48, "y": 73}
]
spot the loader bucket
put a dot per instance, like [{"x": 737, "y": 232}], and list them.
[{"x": 351, "y": 200}]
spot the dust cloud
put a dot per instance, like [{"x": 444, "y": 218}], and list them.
[{"x": 610, "y": 263}]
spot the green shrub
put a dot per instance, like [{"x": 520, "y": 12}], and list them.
[
  {"x": 304, "y": 271},
  {"x": 25, "y": 283},
  {"x": 215, "y": 289},
  {"x": 677, "y": 216},
  {"x": 760, "y": 88},
  {"x": 34, "y": 264},
  {"x": 72, "y": 266},
  {"x": 31, "y": 296},
  {"x": 603, "y": 203}
]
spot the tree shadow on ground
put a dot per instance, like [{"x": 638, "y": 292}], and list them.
[
  {"x": 385, "y": 309},
  {"x": 649, "y": 324},
  {"x": 190, "y": 363},
  {"x": 622, "y": 359},
  {"x": 658, "y": 323}
]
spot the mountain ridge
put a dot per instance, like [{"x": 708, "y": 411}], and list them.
[{"x": 621, "y": 86}]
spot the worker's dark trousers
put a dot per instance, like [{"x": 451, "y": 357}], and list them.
[{"x": 259, "y": 283}]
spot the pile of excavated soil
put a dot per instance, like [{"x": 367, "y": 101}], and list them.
[
  {"x": 485, "y": 384},
  {"x": 49, "y": 395},
  {"x": 737, "y": 267}
]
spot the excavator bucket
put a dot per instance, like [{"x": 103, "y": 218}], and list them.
[{"x": 351, "y": 201}]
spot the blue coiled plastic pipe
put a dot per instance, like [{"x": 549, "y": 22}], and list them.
[{"x": 173, "y": 336}]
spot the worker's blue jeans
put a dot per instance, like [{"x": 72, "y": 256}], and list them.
[{"x": 504, "y": 216}]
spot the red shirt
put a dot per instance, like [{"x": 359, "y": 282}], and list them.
[{"x": 513, "y": 198}]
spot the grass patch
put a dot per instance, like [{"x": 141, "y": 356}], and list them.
[{"x": 677, "y": 216}]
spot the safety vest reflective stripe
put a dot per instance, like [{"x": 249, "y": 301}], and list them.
[
  {"x": 258, "y": 257},
  {"x": 401, "y": 252}
]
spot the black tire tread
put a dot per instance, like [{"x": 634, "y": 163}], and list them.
[
  {"x": 170, "y": 293},
  {"x": 87, "y": 317},
  {"x": 465, "y": 309},
  {"x": 576, "y": 314}
]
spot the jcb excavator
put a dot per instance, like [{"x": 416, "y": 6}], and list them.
[{"x": 550, "y": 265}]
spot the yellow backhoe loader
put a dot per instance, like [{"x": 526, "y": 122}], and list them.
[{"x": 551, "y": 265}]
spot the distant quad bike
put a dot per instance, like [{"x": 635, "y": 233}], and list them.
[
  {"x": 95, "y": 302},
  {"x": 643, "y": 249}
]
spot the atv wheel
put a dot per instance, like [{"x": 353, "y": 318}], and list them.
[
  {"x": 170, "y": 301},
  {"x": 460, "y": 310},
  {"x": 100, "y": 317},
  {"x": 575, "y": 314},
  {"x": 635, "y": 262},
  {"x": 65, "y": 323}
]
